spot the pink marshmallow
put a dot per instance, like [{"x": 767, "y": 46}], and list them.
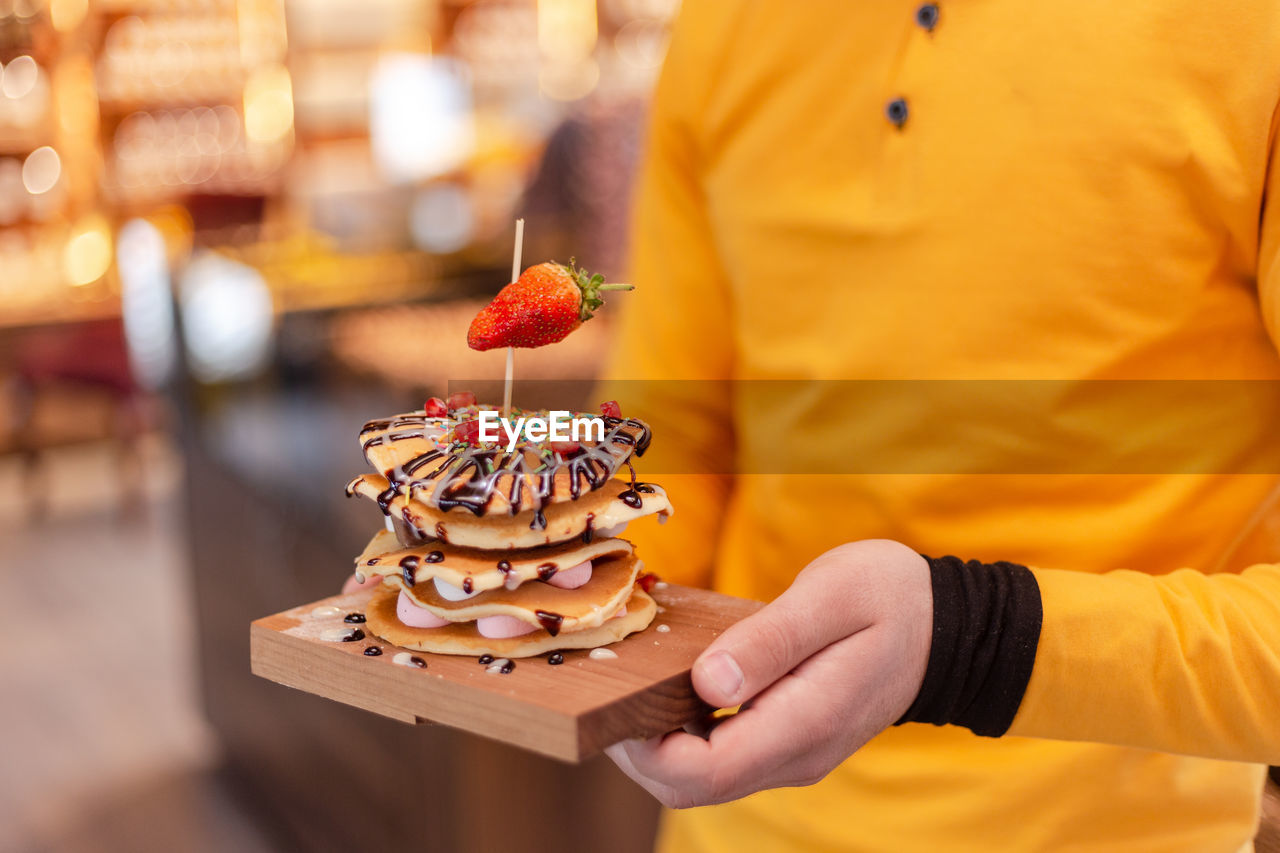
[
  {"x": 572, "y": 578},
  {"x": 502, "y": 627},
  {"x": 414, "y": 616}
]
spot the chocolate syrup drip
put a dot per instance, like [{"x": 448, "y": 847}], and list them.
[
  {"x": 418, "y": 662},
  {"x": 485, "y": 660},
  {"x": 410, "y": 566},
  {"x": 467, "y": 586},
  {"x": 440, "y": 532},
  {"x": 589, "y": 532},
  {"x": 434, "y": 557},
  {"x": 631, "y": 499},
  {"x": 385, "y": 498},
  {"x": 373, "y": 561},
  {"x": 550, "y": 621},
  {"x": 373, "y": 651},
  {"x": 646, "y": 488},
  {"x": 555, "y": 659},
  {"x": 504, "y": 567},
  {"x": 470, "y": 477},
  {"x": 547, "y": 571},
  {"x": 539, "y": 521},
  {"x": 389, "y": 438},
  {"x": 354, "y": 618},
  {"x": 507, "y": 667},
  {"x": 357, "y": 634},
  {"x": 395, "y": 423}
]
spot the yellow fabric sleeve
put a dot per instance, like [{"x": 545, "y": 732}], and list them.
[
  {"x": 674, "y": 349},
  {"x": 1269, "y": 239},
  {"x": 1185, "y": 662}
]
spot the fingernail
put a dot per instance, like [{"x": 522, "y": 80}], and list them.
[{"x": 723, "y": 672}]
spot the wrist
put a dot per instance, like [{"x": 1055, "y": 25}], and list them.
[{"x": 986, "y": 626}]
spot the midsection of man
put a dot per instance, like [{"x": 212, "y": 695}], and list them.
[{"x": 1073, "y": 195}]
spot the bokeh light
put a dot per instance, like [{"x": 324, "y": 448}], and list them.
[
  {"x": 41, "y": 170},
  {"x": 87, "y": 255},
  {"x": 268, "y": 105}
]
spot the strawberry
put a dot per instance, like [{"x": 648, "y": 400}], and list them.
[
  {"x": 647, "y": 581},
  {"x": 611, "y": 409},
  {"x": 542, "y": 306},
  {"x": 435, "y": 408},
  {"x": 565, "y": 448},
  {"x": 461, "y": 400}
]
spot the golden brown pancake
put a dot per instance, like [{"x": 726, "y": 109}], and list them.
[
  {"x": 562, "y": 610},
  {"x": 599, "y": 509},
  {"x": 463, "y": 638},
  {"x": 484, "y": 570}
]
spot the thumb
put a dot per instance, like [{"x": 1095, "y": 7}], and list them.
[{"x": 755, "y": 652}]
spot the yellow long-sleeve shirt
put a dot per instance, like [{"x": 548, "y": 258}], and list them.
[{"x": 1011, "y": 191}]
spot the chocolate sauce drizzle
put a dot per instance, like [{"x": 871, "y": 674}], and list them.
[
  {"x": 354, "y": 618},
  {"x": 550, "y": 621},
  {"x": 555, "y": 659},
  {"x": 469, "y": 477},
  {"x": 547, "y": 571},
  {"x": 410, "y": 566}
]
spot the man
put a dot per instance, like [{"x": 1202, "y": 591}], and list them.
[{"x": 1081, "y": 194}]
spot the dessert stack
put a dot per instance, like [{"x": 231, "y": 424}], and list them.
[{"x": 507, "y": 548}]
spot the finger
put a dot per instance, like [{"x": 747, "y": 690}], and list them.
[
  {"x": 619, "y": 755},
  {"x": 793, "y": 734},
  {"x": 756, "y": 652}
]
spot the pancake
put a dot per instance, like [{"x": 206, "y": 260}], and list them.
[
  {"x": 463, "y": 638},
  {"x": 479, "y": 571},
  {"x": 416, "y": 451},
  {"x": 535, "y": 602},
  {"x": 612, "y": 504}
]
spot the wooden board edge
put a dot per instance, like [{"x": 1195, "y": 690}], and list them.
[{"x": 286, "y": 660}]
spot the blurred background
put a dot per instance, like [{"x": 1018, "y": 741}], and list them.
[{"x": 230, "y": 232}]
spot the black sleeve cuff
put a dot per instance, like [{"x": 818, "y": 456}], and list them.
[{"x": 986, "y": 626}]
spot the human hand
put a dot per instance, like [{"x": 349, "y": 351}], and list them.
[{"x": 830, "y": 663}]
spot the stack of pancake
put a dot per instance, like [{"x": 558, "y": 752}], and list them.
[{"x": 509, "y": 553}]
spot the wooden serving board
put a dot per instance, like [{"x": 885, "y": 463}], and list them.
[{"x": 571, "y": 711}]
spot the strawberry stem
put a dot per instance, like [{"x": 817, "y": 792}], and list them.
[{"x": 591, "y": 286}]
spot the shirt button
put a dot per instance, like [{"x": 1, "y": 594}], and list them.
[
  {"x": 896, "y": 111},
  {"x": 927, "y": 16}
]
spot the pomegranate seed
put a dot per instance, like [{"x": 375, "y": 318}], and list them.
[
  {"x": 507, "y": 434},
  {"x": 468, "y": 431},
  {"x": 611, "y": 409},
  {"x": 435, "y": 408},
  {"x": 461, "y": 400},
  {"x": 565, "y": 448}
]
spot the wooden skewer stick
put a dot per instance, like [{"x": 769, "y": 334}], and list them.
[{"x": 511, "y": 351}]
